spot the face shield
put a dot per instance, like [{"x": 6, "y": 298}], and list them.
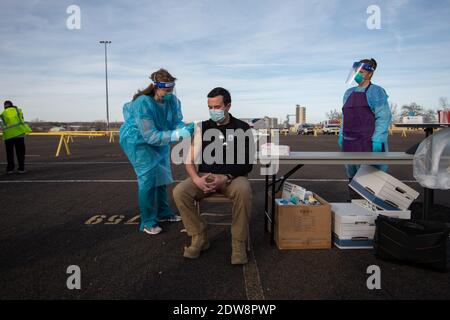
[
  {"x": 169, "y": 88},
  {"x": 356, "y": 68}
]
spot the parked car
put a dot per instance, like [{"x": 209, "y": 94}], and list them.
[
  {"x": 305, "y": 128},
  {"x": 331, "y": 129}
]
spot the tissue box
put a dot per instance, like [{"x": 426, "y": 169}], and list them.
[{"x": 268, "y": 149}]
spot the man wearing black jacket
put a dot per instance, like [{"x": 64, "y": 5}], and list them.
[{"x": 227, "y": 150}]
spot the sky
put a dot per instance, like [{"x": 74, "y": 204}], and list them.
[{"x": 270, "y": 55}]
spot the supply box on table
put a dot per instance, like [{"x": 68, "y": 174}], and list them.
[{"x": 412, "y": 120}]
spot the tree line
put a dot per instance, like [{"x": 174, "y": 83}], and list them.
[{"x": 429, "y": 115}]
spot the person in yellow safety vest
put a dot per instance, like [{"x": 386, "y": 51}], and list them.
[{"x": 14, "y": 131}]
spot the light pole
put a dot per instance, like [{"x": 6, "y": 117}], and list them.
[{"x": 106, "y": 77}]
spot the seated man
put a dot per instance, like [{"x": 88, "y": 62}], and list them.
[{"x": 218, "y": 173}]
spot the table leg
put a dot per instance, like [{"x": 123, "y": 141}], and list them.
[
  {"x": 273, "y": 191},
  {"x": 272, "y": 214},
  {"x": 428, "y": 194},
  {"x": 266, "y": 204}
]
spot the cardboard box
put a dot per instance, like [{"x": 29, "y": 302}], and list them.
[
  {"x": 353, "y": 226},
  {"x": 303, "y": 226},
  {"x": 401, "y": 214},
  {"x": 380, "y": 188},
  {"x": 355, "y": 243},
  {"x": 354, "y": 223}
]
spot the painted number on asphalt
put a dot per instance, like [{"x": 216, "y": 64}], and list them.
[{"x": 112, "y": 220}]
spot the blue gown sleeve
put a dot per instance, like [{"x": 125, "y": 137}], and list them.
[
  {"x": 378, "y": 102},
  {"x": 145, "y": 122},
  {"x": 178, "y": 121}
]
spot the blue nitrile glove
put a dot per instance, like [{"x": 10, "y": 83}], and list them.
[
  {"x": 182, "y": 132},
  {"x": 377, "y": 146},
  {"x": 191, "y": 128},
  {"x": 340, "y": 140}
]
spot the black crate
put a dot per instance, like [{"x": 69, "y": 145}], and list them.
[{"x": 415, "y": 242}]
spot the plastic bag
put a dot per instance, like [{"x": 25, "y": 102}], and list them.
[{"x": 431, "y": 166}]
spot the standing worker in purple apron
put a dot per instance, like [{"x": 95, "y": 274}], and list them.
[{"x": 366, "y": 116}]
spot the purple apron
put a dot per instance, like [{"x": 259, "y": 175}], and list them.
[{"x": 359, "y": 123}]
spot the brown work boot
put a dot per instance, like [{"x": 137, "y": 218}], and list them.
[
  {"x": 199, "y": 243},
  {"x": 238, "y": 252}
]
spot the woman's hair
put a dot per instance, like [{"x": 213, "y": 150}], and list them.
[
  {"x": 162, "y": 75},
  {"x": 371, "y": 62}
]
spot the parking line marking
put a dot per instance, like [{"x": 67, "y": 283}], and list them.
[{"x": 252, "y": 280}]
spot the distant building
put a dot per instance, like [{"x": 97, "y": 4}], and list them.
[{"x": 300, "y": 114}]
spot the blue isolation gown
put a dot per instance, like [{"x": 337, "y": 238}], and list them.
[{"x": 145, "y": 137}]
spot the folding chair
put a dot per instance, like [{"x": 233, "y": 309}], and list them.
[{"x": 219, "y": 198}]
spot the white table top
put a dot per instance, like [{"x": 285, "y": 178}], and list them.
[
  {"x": 422, "y": 125},
  {"x": 340, "y": 158}
]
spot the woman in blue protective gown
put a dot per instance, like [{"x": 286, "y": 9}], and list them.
[
  {"x": 366, "y": 115},
  {"x": 153, "y": 121}
]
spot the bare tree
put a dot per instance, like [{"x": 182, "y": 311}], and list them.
[
  {"x": 430, "y": 115},
  {"x": 334, "y": 114},
  {"x": 394, "y": 111},
  {"x": 443, "y": 103},
  {"x": 412, "y": 108}
]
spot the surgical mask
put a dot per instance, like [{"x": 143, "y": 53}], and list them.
[
  {"x": 359, "y": 78},
  {"x": 168, "y": 97},
  {"x": 355, "y": 70},
  {"x": 217, "y": 115}
]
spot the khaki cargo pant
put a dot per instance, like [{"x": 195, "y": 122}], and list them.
[{"x": 239, "y": 190}]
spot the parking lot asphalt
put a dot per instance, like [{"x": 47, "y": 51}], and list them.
[{"x": 82, "y": 210}]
